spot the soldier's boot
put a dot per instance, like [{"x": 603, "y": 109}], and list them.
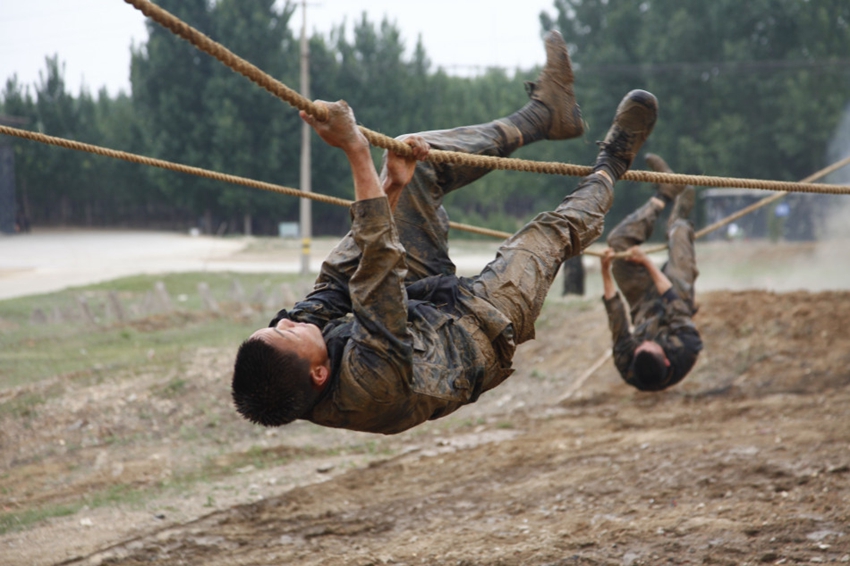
[
  {"x": 633, "y": 122},
  {"x": 683, "y": 205},
  {"x": 552, "y": 113},
  {"x": 666, "y": 191}
]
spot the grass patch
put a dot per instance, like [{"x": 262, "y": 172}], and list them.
[
  {"x": 172, "y": 389},
  {"x": 16, "y": 521},
  {"x": 25, "y": 404},
  {"x": 133, "y": 495},
  {"x": 44, "y": 336},
  {"x": 117, "y": 494}
]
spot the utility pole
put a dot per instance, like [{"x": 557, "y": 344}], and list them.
[{"x": 305, "y": 210}]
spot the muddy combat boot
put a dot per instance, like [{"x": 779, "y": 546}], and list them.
[
  {"x": 666, "y": 191},
  {"x": 633, "y": 122},
  {"x": 683, "y": 205},
  {"x": 552, "y": 113}
]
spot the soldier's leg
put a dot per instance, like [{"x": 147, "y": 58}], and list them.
[
  {"x": 421, "y": 220},
  {"x": 518, "y": 280},
  {"x": 633, "y": 279},
  {"x": 552, "y": 113},
  {"x": 637, "y": 227},
  {"x": 681, "y": 268}
]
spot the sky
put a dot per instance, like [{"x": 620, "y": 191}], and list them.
[{"x": 93, "y": 37}]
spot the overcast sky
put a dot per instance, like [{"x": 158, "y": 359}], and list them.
[{"x": 93, "y": 37}]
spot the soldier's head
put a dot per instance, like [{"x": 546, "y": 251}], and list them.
[
  {"x": 279, "y": 373},
  {"x": 650, "y": 365}
]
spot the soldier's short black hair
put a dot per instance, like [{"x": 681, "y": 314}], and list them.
[
  {"x": 649, "y": 370},
  {"x": 271, "y": 387}
]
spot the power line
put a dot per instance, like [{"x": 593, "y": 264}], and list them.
[{"x": 713, "y": 67}]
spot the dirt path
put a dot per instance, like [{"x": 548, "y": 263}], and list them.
[
  {"x": 662, "y": 480},
  {"x": 747, "y": 461}
]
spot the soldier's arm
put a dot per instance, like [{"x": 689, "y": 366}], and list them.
[
  {"x": 609, "y": 289},
  {"x": 398, "y": 170},
  {"x": 624, "y": 342},
  {"x": 380, "y": 353},
  {"x": 662, "y": 283}
]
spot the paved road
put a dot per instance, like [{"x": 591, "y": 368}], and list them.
[
  {"x": 48, "y": 261},
  {"x": 51, "y": 260}
]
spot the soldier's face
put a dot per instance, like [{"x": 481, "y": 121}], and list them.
[{"x": 301, "y": 338}]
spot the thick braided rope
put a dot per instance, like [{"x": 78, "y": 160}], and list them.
[
  {"x": 772, "y": 198},
  {"x": 171, "y": 166},
  {"x": 134, "y": 158},
  {"x": 180, "y": 28},
  {"x": 275, "y": 87},
  {"x": 751, "y": 208},
  {"x": 197, "y": 171},
  {"x": 720, "y": 223}
]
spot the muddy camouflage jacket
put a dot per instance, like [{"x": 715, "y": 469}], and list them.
[
  {"x": 397, "y": 362},
  {"x": 665, "y": 319}
]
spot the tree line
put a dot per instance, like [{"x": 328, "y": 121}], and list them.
[{"x": 748, "y": 89}]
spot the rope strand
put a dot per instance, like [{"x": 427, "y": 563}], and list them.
[
  {"x": 751, "y": 208},
  {"x": 171, "y": 166}
]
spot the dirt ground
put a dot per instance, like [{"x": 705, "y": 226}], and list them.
[{"x": 747, "y": 461}]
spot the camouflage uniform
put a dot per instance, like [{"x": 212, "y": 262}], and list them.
[
  {"x": 420, "y": 342},
  {"x": 665, "y": 319}
]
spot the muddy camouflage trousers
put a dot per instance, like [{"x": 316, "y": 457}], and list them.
[
  {"x": 681, "y": 268},
  {"x": 517, "y": 280}
]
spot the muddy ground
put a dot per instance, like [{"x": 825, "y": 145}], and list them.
[{"x": 746, "y": 461}]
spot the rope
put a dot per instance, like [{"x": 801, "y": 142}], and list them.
[
  {"x": 180, "y": 28},
  {"x": 244, "y": 181},
  {"x": 134, "y": 158},
  {"x": 748, "y": 209},
  {"x": 275, "y": 87},
  {"x": 234, "y": 179},
  {"x": 576, "y": 385}
]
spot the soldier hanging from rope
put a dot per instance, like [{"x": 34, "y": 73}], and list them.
[
  {"x": 665, "y": 343},
  {"x": 390, "y": 337}
]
